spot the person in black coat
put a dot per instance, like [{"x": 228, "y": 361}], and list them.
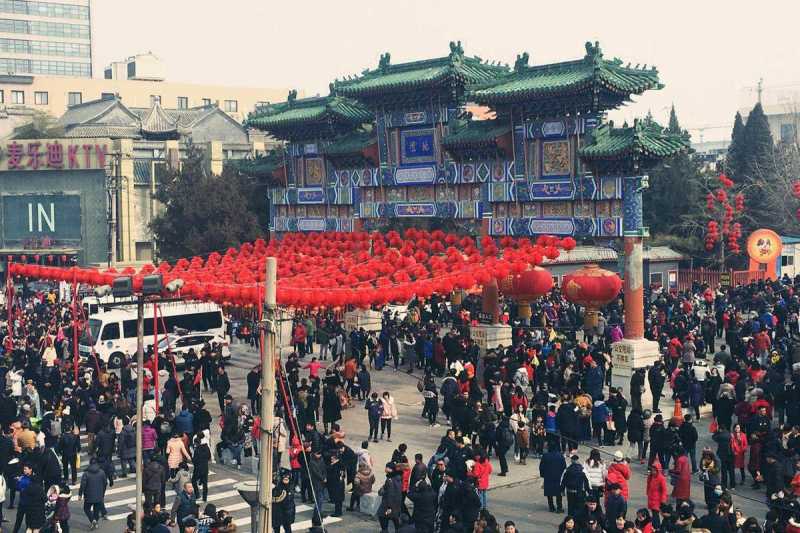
[
  {"x": 551, "y": 468},
  {"x": 253, "y": 382},
  {"x": 283, "y": 508},
  {"x": 223, "y": 386},
  {"x": 335, "y": 483},
  {"x": 424, "y": 506},
  {"x": 688, "y": 435},
  {"x": 331, "y": 408},
  {"x": 32, "y": 505},
  {"x": 567, "y": 424},
  {"x": 616, "y": 506},
  {"x": 656, "y": 378},
  {"x": 576, "y": 485},
  {"x": 200, "y": 460}
]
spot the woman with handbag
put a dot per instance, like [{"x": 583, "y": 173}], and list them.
[{"x": 519, "y": 423}]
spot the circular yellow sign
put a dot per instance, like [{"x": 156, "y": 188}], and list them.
[{"x": 764, "y": 246}]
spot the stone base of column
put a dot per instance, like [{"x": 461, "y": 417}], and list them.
[
  {"x": 628, "y": 355},
  {"x": 491, "y": 336}
]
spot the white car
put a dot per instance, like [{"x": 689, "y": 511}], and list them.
[{"x": 179, "y": 345}]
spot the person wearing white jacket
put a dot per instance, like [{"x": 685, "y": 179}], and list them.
[
  {"x": 595, "y": 470},
  {"x": 389, "y": 414}
]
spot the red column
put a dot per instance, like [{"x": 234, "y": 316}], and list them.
[
  {"x": 155, "y": 353},
  {"x": 634, "y": 289}
]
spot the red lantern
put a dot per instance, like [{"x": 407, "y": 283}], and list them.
[
  {"x": 530, "y": 285},
  {"x": 591, "y": 287}
]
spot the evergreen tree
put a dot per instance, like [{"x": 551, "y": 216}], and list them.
[
  {"x": 202, "y": 213},
  {"x": 759, "y": 159},
  {"x": 673, "y": 126},
  {"x": 736, "y": 149}
]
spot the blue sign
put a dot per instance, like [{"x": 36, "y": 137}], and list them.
[{"x": 417, "y": 146}]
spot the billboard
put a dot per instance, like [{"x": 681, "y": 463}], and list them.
[
  {"x": 36, "y": 216},
  {"x": 55, "y": 154}
]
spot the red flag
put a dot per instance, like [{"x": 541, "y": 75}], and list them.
[{"x": 198, "y": 377}]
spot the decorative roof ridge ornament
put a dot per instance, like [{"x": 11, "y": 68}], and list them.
[
  {"x": 522, "y": 62},
  {"x": 290, "y": 99},
  {"x": 593, "y": 53},
  {"x": 384, "y": 62},
  {"x": 456, "y": 51}
]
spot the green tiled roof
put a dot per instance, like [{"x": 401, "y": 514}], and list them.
[
  {"x": 443, "y": 71},
  {"x": 646, "y": 139},
  {"x": 475, "y": 132},
  {"x": 262, "y": 166},
  {"x": 616, "y": 82},
  {"x": 351, "y": 143},
  {"x": 308, "y": 111}
]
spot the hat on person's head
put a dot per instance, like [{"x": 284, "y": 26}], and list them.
[
  {"x": 659, "y": 418},
  {"x": 229, "y": 397},
  {"x": 618, "y": 456},
  {"x": 588, "y": 360},
  {"x": 391, "y": 465},
  {"x": 575, "y": 458},
  {"x": 614, "y": 486}
]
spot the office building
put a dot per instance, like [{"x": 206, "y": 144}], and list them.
[{"x": 52, "y": 38}]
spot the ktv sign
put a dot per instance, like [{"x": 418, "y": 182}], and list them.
[{"x": 54, "y": 154}]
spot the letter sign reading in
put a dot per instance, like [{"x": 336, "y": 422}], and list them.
[
  {"x": 42, "y": 214},
  {"x": 27, "y": 216}
]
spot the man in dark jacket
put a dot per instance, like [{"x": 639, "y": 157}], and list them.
[
  {"x": 104, "y": 448},
  {"x": 93, "y": 491},
  {"x": 424, "y": 506},
  {"x": 590, "y": 511},
  {"x": 184, "y": 506},
  {"x": 223, "y": 386},
  {"x": 126, "y": 448},
  {"x": 551, "y": 470},
  {"x": 656, "y": 378},
  {"x": 253, "y": 382},
  {"x": 153, "y": 478},
  {"x": 688, "y": 435},
  {"x": 723, "y": 439},
  {"x": 391, "y": 499},
  {"x": 335, "y": 483},
  {"x": 283, "y": 508},
  {"x": 567, "y": 424},
  {"x": 616, "y": 506},
  {"x": 69, "y": 447},
  {"x": 50, "y": 468},
  {"x": 576, "y": 485}
]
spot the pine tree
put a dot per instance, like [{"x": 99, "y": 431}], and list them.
[
  {"x": 759, "y": 160},
  {"x": 673, "y": 126},
  {"x": 736, "y": 149}
]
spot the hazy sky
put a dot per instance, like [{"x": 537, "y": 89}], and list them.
[{"x": 709, "y": 53}]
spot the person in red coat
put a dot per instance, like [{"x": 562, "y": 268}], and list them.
[
  {"x": 657, "y": 492},
  {"x": 681, "y": 476},
  {"x": 738, "y": 447},
  {"x": 618, "y": 472}
]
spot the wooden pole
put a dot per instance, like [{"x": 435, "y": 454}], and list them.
[{"x": 267, "y": 400}]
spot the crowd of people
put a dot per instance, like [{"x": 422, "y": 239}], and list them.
[{"x": 546, "y": 396}]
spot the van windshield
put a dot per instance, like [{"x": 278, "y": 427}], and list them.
[{"x": 92, "y": 333}]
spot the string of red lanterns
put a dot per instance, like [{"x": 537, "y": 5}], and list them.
[{"x": 336, "y": 269}]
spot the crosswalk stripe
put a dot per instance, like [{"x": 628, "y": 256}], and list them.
[
  {"x": 118, "y": 490},
  {"x": 122, "y": 480},
  {"x": 215, "y": 483},
  {"x": 297, "y": 526},
  {"x": 211, "y": 498}
]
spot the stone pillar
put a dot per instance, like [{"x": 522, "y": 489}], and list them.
[
  {"x": 214, "y": 157},
  {"x": 126, "y": 212},
  {"x": 634, "y": 351}
]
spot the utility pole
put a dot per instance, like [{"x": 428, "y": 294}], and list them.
[
  {"x": 267, "y": 399},
  {"x": 139, "y": 406}
]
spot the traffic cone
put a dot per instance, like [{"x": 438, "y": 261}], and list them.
[{"x": 677, "y": 414}]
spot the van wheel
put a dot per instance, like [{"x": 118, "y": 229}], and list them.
[{"x": 115, "y": 360}]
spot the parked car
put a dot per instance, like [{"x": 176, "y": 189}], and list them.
[{"x": 179, "y": 345}]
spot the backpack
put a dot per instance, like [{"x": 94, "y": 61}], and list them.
[
  {"x": 506, "y": 437},
  {"x": 130, "y": 439},
  {"x": 55, "y": 428}
]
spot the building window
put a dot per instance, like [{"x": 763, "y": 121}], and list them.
[
  {"x": 18, "y": 97},
  {"x": 231, "y": 106},
  {"x": 74, "y": 98},
  {"x": 107, "y": 96},
  {"x": 787, "y": 133},
  {"x": 155, "y": 99},
  {"x": 787, "y": 260},
  {"x": 656, "y": 279},
  {"x": 183, "y": 102},
  {"x": 40, "y": 98},
  {"x": 2, "y": 96},
  {"x": 206, "y": 102}
]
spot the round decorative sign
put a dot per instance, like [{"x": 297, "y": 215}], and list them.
[{"x": 764, "y": 246}]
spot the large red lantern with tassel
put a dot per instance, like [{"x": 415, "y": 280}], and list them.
[
  {"x": 529, "y": 285},
  {"x": 591, "y": 287}
]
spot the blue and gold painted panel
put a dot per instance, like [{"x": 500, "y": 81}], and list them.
[
  {"x": 574, "y": 226},
  {"x": 282, "y": 224}
]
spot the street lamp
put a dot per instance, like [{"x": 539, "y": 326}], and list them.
[{"x": 152, "y": 288}]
